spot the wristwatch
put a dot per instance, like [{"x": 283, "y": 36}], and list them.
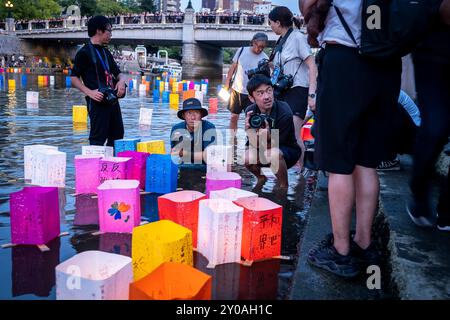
[{"x": 312, "y": 95}]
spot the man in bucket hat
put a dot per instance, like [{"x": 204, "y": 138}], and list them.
[{"x": 189, "y": 138}]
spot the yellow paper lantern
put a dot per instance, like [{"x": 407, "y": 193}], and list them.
[
  {"x": 155, "y": 146},
  {"x": 158, "y": 242},
  {"x": 79, "y": 114}
]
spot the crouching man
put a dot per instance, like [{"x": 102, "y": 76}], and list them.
[{"x": 270, "y": 132}]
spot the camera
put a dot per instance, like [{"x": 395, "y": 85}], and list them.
[
  {"x": 284, "y": 83},
  {"x": 109, "y": 95},
  {"x": 263, "y": 68},
  {"x": 258, "y": 121}
]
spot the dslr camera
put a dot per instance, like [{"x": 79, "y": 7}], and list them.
[
  {"x": 263, "y": 68},
  {"x": 109, "y": 95},
  {"x": 258, "y": 121},
  {"x": 284, "y": 83}
]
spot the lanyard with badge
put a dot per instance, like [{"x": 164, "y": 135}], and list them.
[{"x": 105, "y": 64}]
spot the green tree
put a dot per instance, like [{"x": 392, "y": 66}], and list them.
[
  {"x": 33, "y": 9},
  {"x": 110, "y": 7},
  {"x": 148, "y": 5}
]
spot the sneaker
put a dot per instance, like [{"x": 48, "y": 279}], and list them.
[
  {"x": 393, "y": 165},
  {"x": 326, "y": 257},
  {"x": 443, "y": 224},
  {"x": 367, "y": 257},
  {"x": 420, "y": 214}
]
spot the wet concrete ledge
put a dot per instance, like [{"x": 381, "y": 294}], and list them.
[{"x": 416, "y": 262}]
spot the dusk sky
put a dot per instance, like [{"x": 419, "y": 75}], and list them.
[{"x": 291, "y": 4}]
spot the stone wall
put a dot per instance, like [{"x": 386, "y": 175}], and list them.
[{"x": 9, "y": 45}]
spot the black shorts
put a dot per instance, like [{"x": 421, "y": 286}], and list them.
[
  {"x": 355, "y": 100},
  {"x": 291, "y": 155},
  {"x": 297, "y": 99},
  {"x": 238, "y": 102}
]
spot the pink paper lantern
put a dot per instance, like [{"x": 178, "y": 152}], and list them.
[
  {"x": 87, "y": 177},
  {"x": 115, "y": 168},
  {"x": 261, "y": 234},
  {"x": 34, "y": 215},
  {"x": 221, "y": 181},
  {"x": 182, "y": 208},
  {"x": 119, "y": 205},
  {"x": 138, "y": 169},
  {"x": 86, "y": 210}
]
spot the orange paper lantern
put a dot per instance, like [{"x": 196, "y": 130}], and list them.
[
  {"x": 172, "y": 281},
  {"x": 305, "y": 131},
  {"x": 261, "y": 232}
]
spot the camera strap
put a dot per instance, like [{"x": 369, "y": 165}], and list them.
[
  {"x": 280, "y": 43},
  {"x": 94, "y": 59},
  {"x": 235, "y": 71}
]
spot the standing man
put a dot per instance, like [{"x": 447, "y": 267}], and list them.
[
  {"x": 246, "y": 58},
  {"x": 102, "y": 83}
]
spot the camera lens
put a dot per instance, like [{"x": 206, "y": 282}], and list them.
[{"x": 256, "y": 121}]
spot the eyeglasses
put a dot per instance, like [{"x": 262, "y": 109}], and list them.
[{"x": 260, "y": 93}]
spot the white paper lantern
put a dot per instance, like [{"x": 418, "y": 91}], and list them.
[
  {"x": 29, "y": 158},
  {"x": 49, "y": 168},
  {"x": 219, "y": 158},
  {"x": 220, "y": 231},
  {"x": 145, "y": 117},
  {"x": 97, "y": 151},
  {"x": 94, "y": 275},
  {"x": 232, "y": 194},
  {"x": 32, "y": 97}
]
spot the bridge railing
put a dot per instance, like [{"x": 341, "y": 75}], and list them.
[{"x": 177, "y": 18}]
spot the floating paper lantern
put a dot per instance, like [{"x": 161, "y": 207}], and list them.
[
  {"x": 30, "y": 158},
  {"x": 305, "y": 131},
  {"x": 52, "y": 80},
  {"x": 86, "y": 208},
  {"x": 117, "y": 243},
  {"x": 125, "y": 145},
  {"x": 104, "y": 151},
  {"x": 174, "y": 99},
  {"x": 49, "y": 168},
  {"x": 119, "y": 205},
  {"x": 175, "y": 87},
  {"x": 138, "y": 167},
  {"x": 261, "y": 238},
  {"x": 232, "y": 194},
  {"x": 199, "y": 96},
  {"x": 94, "y": 275},
  {"x": 115, "y": 168},
  {"x": 79, "y": 114},
  {"x": 33, "y": 271},
  {"x": 162, "y": 174},
  {"x": 165, "y": 97},
  {"x": 145, "y": 117},
  {"x": 87, "y": 174},
  {"x": 153, "y": 147},
  {"x": 204, "y": 88},
  {"x": 11, "y": 83},
  {"x": 32, "y": 97},
  {"x": 191, "y": 85},
  {"x": 159, "y": 242},
  {"x": 182, "y": 208},
  {"x": 156, "y": 95},
  {"x": 172, "y": 281},
  {"x": 219, "y": 231},
  {"x": 222, "y": 180},
  {"x": 34, "y": 215},
  {"x": 24, "y": 80},
  {"x": 213, "y": 104},
  {"x": 219, "y": 158},
  {"x": 68, "y": 82}
]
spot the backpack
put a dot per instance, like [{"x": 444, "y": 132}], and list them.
[{"x": 390, "y": 28}]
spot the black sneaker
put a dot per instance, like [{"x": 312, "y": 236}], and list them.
[
  {"x": 367, "y": 257},
  {"x": 420, "y": 214},
  {"x": 393, "y": 165},
  {"x": 326, "y": 257}
]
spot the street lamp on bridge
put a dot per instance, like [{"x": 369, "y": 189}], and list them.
[{"x": 9, "y": 7}]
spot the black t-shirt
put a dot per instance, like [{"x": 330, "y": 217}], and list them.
[
  {"x": 283, "y": 116},
  {"x": 84, "y": 66}
]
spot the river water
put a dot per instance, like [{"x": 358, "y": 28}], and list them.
[{"x": 26, "y": 273}]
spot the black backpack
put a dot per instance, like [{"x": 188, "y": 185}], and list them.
[{"x": 390, "y": 28}]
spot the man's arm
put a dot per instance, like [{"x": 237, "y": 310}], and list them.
[
  {"x": 93, "y": 94},
  {"x": 305, "y": 6},
  {"x": 444, "y": 10},
  {"x": 121, "y": 85},
  {"x": 230, "y": 75}
]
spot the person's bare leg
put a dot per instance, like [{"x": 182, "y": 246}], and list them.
[
  {"x": 367, "y": 187},
  {"x": 234, "y": 121},
  {"x": 279, "y": 167},
  {"x": 298, "y": 126},
  {"x": 252, "y": 165},
  {"x": 341, "y": 195}
]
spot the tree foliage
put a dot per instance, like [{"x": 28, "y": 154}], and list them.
[{"x": 32, "y": 9}]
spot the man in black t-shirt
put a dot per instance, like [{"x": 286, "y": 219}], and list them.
[
  {"x": 95, "y": 65},
  {"x": 271, "y": 138}
]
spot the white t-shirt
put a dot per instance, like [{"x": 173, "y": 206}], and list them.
[
  {"x": 334, "y": 29},
  {"x": 247, "y": 61},
  {"x": 295, "y": 50}
]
